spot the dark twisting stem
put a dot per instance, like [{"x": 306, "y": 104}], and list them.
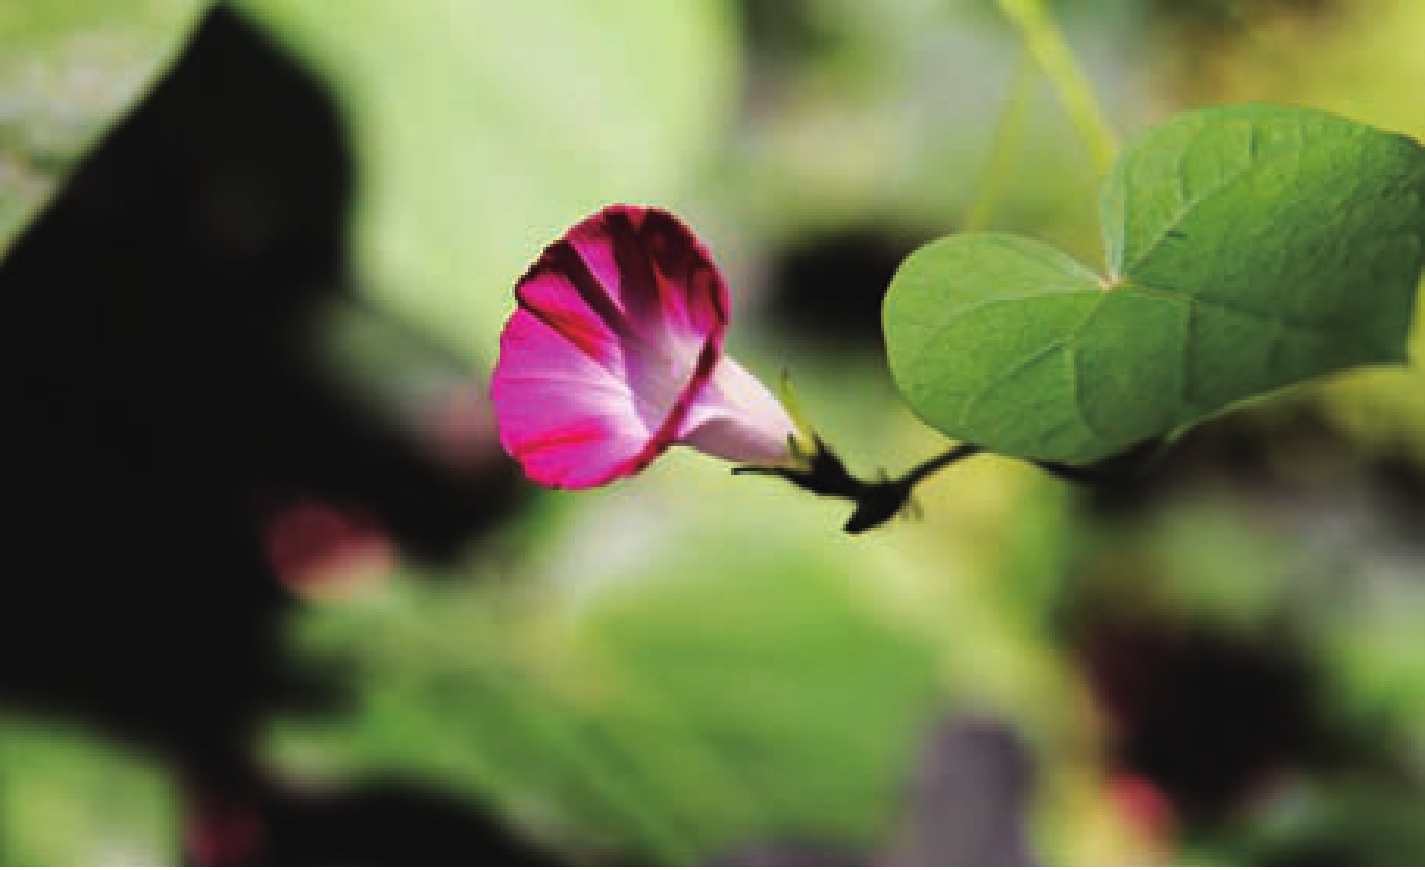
[
  {"x": 876, "y": 502},
  {"x": 822, "y": 472},
  {"x": 935, "y": 463}
]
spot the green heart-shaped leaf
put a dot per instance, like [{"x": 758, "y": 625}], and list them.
[{"x": 1249, "y": 248}]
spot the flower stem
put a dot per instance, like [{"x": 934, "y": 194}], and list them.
[
  {"x": 1009, "y": 136},
  {"x": 935, "y": 463},
  {"x": 823, "y": 473}
]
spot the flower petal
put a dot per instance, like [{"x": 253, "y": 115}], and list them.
[
  {"x": 653, "y": 269},
  {"x": 569, "y": 420}
]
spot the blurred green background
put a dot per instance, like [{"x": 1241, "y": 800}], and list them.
[{"x": 1219, "y": 663}]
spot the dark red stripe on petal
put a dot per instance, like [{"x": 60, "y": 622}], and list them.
[
  {"x": 640, "y": 288},
  {"x": 573, "y": 326},
  {"x": 562, "y": 259},
  {"x": 564, "y": 436},
  {"x": 598, "y": 297},
  {"x": 688, "y": 267}
]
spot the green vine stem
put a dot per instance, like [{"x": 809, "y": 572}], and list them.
[
  {"x": 1008, "y": 136},
  {"x": 1045, "y": 42}
]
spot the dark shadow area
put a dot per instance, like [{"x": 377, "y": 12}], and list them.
[
  {"x": 1228, "y": 718},
  {"x": 164, "y": 397},
  {"x": 784, "y": 32},
  {"x": 1292, "y": 455},
  {"x": 829, "y": 288},
  {"x": 385, "y": 823},
  {"x": 1204, "y": 714}
]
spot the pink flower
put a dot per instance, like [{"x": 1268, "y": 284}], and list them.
[{"x": 615, "y": 353}]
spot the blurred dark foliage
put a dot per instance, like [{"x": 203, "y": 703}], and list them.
[
  {"x": 1216, "y": 19},
  {"x": 783, "y": 33},
  {"x": 164, "y": 399},
  {"x": 784, "y": 30},
  {"x": 1287, "y": 456},
  {"x": 829, "y": 288},
  {"x": 387, "y": 823},
  {"x": 1203, "y": 713},
  {"x": 1193, "y": 42},
  {"x": 1215, "y": 714},
  {"x": 1216, "y": 721}
]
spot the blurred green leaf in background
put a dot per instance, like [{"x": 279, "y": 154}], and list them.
[
  {"x": 483, "y": 129},
  {"x": 68, "y": 71},
  {"x": 68, "y": 798}
]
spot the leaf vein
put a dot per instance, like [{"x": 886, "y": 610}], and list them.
[
  {"x": 1317, "y": 330},
  {"x": 1060, "y": 343},
  {"x": 1209, "y": 192},
  {"x": 999, "y": 380},
  {"x": 1185, "y": 386},
  {"x": 1076, "y": 397}
]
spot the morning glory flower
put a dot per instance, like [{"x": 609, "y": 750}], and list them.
[{"x": 615, "y": 353}]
